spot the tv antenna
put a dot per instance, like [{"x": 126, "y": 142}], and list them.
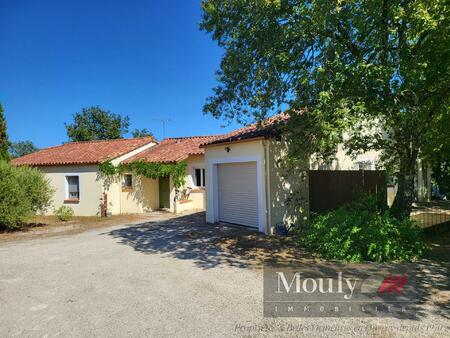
[{"x": 163, "y": 121}]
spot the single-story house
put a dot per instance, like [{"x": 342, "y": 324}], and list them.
[
  {"x": 73, "y": 172},
  {"x": 237, "y": 177}
]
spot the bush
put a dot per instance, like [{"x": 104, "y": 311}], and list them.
[
  {"x": 23, "y": 192},
  {"x": 362, "y": 231},
  {"x": 64, "y": 213}
]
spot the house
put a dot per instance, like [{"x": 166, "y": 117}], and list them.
[
  {"x": 237, "y": 177},
  {"x": 73, "y": 172}
]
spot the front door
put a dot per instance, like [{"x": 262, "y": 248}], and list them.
[{"x": 164, "y": 193}]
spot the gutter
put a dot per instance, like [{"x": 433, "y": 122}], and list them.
[{"x": 256, "y": 138}]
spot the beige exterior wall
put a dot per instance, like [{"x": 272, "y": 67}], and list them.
[
  {"x": 198, "y": 199},
  {"x": 285, "y": 185},
  {"x": 112, "y": 187},
  {"x": 143, "y": 197},
  {"x": 135, "y": 201},
  {"x": 193, "y": 162},
  {"x": 367, "y": 161},
  {"x": 90, "y": 188},
  {"x": 342, "y": 161},
  {"x": 185, "y": 206},
  {"x": 194, "y": 195}
]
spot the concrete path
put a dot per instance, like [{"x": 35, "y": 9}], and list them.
[{"x": 146, "y": 281}]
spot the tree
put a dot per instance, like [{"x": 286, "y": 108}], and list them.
[
  {"x": 24, "y": 191},
  {"x": 95, "y": 123},
  {"x": 21, "y": 148},
  {"x": 375, "y": 71},
  {"x": 437, "y": 151},
  {"x": 4, "y": 142},
  {"x": 141, "y": 133}
]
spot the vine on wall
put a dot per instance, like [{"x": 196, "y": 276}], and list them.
[{"x": 150, "y": 170}]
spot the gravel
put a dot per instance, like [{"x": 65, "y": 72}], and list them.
[{"x": 104, "y": 282}]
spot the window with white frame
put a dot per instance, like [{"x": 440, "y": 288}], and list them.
[
  {"x": 72, "y": 187},
  {"x": 199, "y": 178},
  {"x": 127, "y": 181}
]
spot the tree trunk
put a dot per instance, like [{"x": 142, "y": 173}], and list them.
[{"x": 404, "y": 198}]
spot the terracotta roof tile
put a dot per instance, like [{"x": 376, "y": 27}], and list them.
[
  {"x": 173, "y": 150},
  {"x": 267, "y": 128},
  {"x": 87, "y": 152}
]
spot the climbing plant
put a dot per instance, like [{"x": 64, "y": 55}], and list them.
[{"x": 150, "y": 170}]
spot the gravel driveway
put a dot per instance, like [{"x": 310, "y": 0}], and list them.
[{"x": 162, "y": 278}]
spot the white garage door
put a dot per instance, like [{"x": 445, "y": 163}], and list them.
[{"x": 238, "y": 193}]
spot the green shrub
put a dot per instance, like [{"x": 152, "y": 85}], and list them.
[
  {"x": 23, "y": 192},
  {"x": 64, "y": 213},
  {"x": 362, "y": 231}
]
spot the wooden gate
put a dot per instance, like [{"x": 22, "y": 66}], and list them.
[{"x": 329, "y": 189}]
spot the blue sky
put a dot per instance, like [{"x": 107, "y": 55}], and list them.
[{"x": 144, "y": 59}]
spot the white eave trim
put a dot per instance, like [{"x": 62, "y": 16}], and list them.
[{"x": 136, "y": 151}]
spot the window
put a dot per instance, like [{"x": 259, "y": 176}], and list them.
[
  {"x": 364, "y": 165},
  {"x": 73, "y": 187},
  {"x": 200, "y": 177},
  {"x": 127, "y": 181}
]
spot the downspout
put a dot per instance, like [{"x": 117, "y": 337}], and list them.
[{"x": 266, "y": 146}]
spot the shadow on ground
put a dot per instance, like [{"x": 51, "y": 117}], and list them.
[
  {"x": 212, "y": 245},
  {"x": 209, "y": 245}
]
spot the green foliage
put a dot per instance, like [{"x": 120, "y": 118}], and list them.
[
  {"x": 141, "y": 133},
  {"x": 95, "y": 123},
  {"x": 377, "y": 71},
  {"x": 108, "y": 169},
  {"x": 437, "y": 151},
  {"x": 21, "y": 148},
  {"x": 362, "y": 232},
  {"x": 4, "y": 143},
  {"x": 150, "y": 170},
  {"x": 441, "y": 177},
  {"x": 64, "y": 213},
  {"x": 23, "y": 192}
]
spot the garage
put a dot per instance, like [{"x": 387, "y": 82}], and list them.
[{"x": 238, "y": 193}]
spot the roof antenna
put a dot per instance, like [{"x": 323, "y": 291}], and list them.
[{"x": 163, "y": 121}]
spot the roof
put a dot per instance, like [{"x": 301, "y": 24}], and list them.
[
  {"x": 267, "y": 128},
  {"x": 86, "y": 152},
  {"x": 172, "y": 150}
]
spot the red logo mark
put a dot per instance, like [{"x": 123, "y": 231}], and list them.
[{"x": 393, "y": 283}]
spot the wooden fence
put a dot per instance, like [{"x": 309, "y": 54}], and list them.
[{"x": 329, "y": 189}]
